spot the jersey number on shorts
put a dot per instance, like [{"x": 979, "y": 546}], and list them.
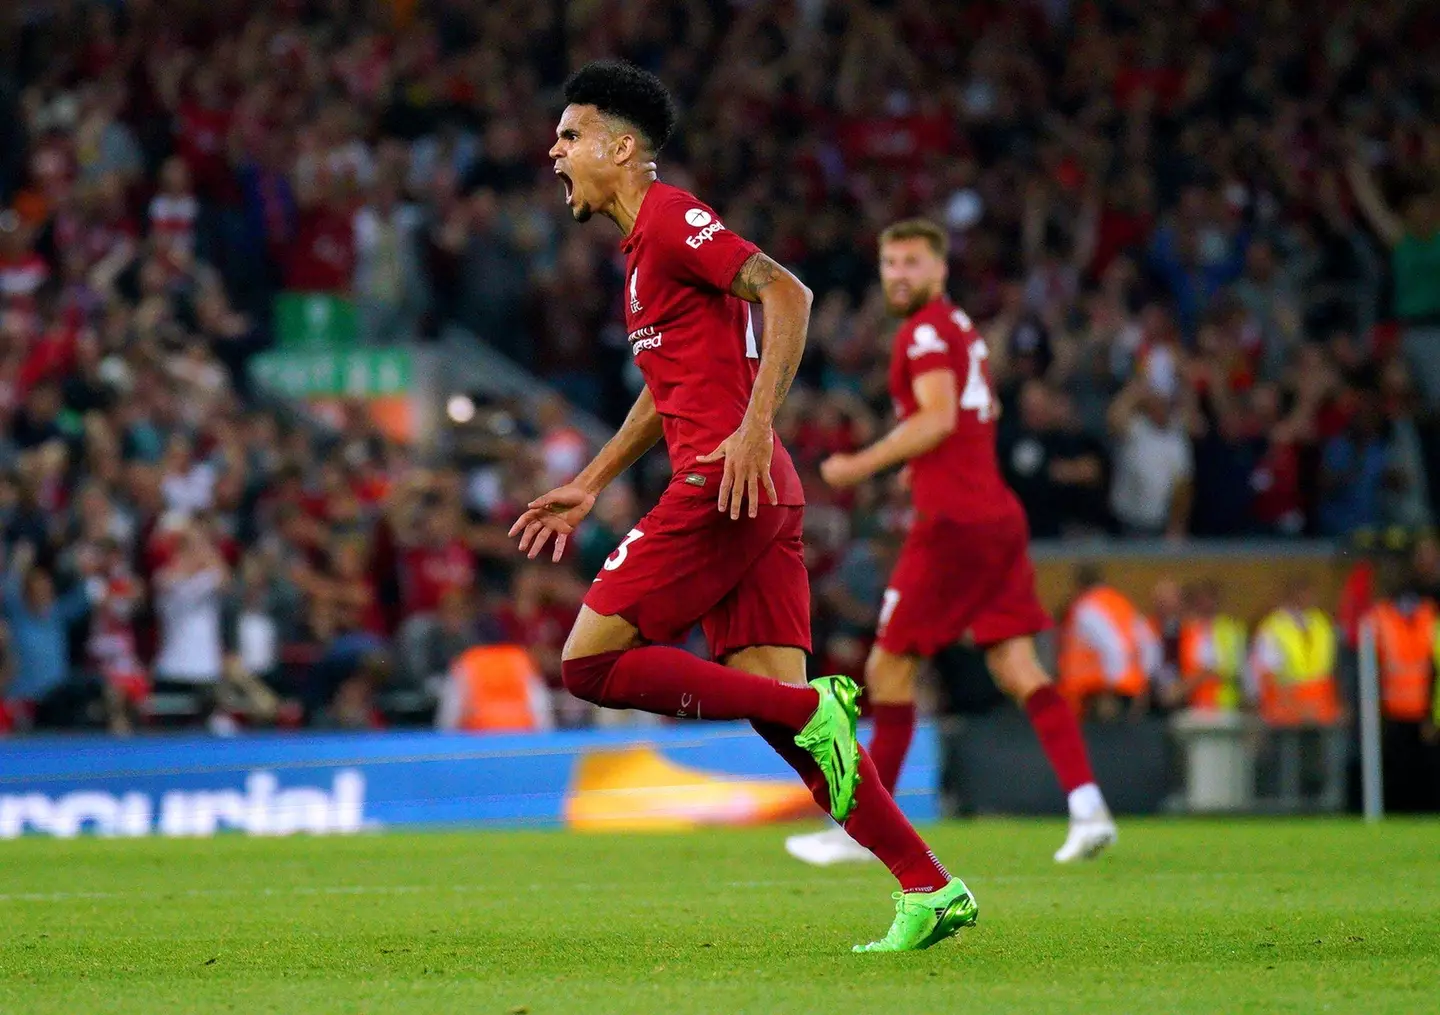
[
  {"x": 887, "y": 608},
  {"x": 977, "y": 389},
  {"x": 622, "y": 551}
]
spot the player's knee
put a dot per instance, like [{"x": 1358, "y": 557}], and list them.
[
  {"x": 1016, "y": 670},
  {"x": 889, "y": 678},
  {"x": 587, "y": 676}
]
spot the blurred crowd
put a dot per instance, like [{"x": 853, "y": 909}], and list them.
[{"x": 1203, "y": 240}]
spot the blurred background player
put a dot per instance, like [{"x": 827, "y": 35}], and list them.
[
  {"x": 713, "y": 551},
  {"x": 964, "y": 574}
]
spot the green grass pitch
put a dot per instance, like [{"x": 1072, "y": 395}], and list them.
[{"x": 1242, "y": 916}]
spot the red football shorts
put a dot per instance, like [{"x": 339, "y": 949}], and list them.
[
  {"x": 961, "y": 582},
  {"x": 685, "y": 563}
]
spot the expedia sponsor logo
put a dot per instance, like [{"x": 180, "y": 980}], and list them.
[
  {"x": 704, "y": 235},
  {"x": 644, "y": 338}
]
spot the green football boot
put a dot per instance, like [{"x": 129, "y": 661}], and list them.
[
  {"x": 829, "y": 737},
  {"x": 922, "y": 918}
]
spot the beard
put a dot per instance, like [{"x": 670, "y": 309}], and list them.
[
  {"x": 918, "y": 298},
  {"x": 581, "y": 213}
]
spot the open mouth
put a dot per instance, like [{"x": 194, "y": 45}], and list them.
[{"x": 569, "y": 185}]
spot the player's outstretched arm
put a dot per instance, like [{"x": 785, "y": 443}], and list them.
[
  {"x": 938, "y": 407},
  {"x": 558, "y": 512},
  {"x": 747, "y": 452}
]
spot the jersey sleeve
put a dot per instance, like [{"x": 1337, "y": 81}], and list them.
[
  {"x": 698, "y": 247},
  {"x": 925, "y": 348}
]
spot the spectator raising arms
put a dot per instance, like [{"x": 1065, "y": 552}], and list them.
[
  {"x": 1152, "y": 492},
  {"x": 189, "y": 590},
  {"x": 44, "y": 690}
]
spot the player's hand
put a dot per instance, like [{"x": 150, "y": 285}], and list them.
[
  {"x": 557, "y": 514},
  {"x": 841, "y": 471},
  {"x": 747, "y": 453}
]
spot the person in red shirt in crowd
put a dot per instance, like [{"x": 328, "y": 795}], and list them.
[
  {"x": 102, "y": 47},
  {"x": 714, "y": 551},
  {"x": 539, "y": 615},
  {"x": 352, "y": 590},
  {"x": 1117, "y": 222},
  {"x": 202, "y": 131},
  {"x": 964, "y": 573},
  {"x": 436, "y": 560},
  {"x": 321, "y": 257}
]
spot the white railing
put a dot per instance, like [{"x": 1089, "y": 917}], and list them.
[{"x": 1372, "y": 776}]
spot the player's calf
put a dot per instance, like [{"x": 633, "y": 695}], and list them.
[
  {"x": 890, "y": 704},
  {"x": 1019, "y": 674}
]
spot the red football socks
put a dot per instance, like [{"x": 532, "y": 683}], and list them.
[
  {"x": 670, "y": 681},
  {"x": 1060, "y": 737},
  {"x": 894, "y": 726},
  {"x": 876, "y": 822}
]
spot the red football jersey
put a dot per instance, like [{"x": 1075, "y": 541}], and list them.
[
  {"x": 695, "y": 344},
  {"x": 960, "y": 478},
  {"x": 428, "y": 574}
]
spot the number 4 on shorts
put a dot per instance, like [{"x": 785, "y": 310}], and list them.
[{"x": 622, "y": 551}]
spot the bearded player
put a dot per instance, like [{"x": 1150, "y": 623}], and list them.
[
  {"x": 722, "y": 548},
  {"x": 964, "y": 573}
]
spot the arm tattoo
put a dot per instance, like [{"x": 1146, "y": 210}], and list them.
[
  {"x": 755, "y": 274},
  {"x": 785, "y": 325},
  {"x": 782, "y": 382}
]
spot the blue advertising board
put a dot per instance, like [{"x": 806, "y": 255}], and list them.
[{"x": 282, "y": 783}]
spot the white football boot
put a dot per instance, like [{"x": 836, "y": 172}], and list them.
[
  {"x": 1092, "y": 829},
  {"x": 823, "y": 849}
]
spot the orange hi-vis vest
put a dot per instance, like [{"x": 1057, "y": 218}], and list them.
[
  {"x": 496, "y": 685},
  {"x": 1213, "y": 649},
  {"x": 1406, "y": 650},
  {"x": 1081, "y": 668},
  {"x": 1302, "y": 690}
]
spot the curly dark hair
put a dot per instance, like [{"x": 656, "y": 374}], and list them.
[{"x": 621, "y": 89}]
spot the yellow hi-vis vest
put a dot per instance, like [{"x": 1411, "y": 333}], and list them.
[{"x": 1305, "y": 690}]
